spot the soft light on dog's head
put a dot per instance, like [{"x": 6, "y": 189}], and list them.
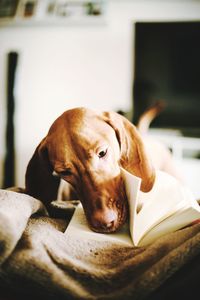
[
  {"x": 86, "y": 149},
  {"x": 89, "y": 161}
]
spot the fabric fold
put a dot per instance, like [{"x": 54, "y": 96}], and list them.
[{"x": 15, "y": 211}]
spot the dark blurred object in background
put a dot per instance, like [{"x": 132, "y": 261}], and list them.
[
  {"x": 167, "y": 66},
  {"x": 9, "y": 162}
]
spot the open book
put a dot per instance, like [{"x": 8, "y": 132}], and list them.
[{"x": 169, "y": 206}]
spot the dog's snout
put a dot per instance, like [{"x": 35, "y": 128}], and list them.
[{"x": 104, "y": 221}]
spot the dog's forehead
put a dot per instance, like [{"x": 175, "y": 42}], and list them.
[
  {"x": 79, "y": 127},
  {"x": 81, "y": 119},
  {"x": 74, "y": 118},
  {"x": 81, "y": 122},
  {"x": 90, "y": 130}
]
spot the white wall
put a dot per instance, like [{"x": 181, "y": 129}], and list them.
[{"x": 65, "y": 66}]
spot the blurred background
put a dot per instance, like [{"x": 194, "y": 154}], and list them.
[{"x": 120, "y": 55}]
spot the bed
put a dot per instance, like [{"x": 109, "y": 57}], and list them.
[{"x": 39, "y": 260}]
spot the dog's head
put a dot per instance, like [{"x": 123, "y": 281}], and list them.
[{"x": 86, "y": 149}]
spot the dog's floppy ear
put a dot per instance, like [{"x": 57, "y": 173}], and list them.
[
  {"x": 39, "y": 181},
  {"x": 133, "y": 153}
]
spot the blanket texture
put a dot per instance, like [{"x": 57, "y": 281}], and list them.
[{"x": 37, "y": 258}]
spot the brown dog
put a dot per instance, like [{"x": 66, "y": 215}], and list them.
[{"x": 87, "y": 149}]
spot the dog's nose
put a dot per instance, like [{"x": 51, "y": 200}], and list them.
[{"x": 103, "y": 220}]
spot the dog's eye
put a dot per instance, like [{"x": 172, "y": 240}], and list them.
[
  {"x": 64, "y": 173},
  {"x": 102, "y": 153}
]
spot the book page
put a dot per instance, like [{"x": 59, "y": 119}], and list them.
[
  {"x": 166, "y": 198},
  {"x": 78, "y": 227},
  {"x": 178, "y": 220},
  {"x": 186, "y": 212},
  {"x": 132, "y": 185}
]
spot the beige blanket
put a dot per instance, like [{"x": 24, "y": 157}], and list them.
[{"x": 37, "y": 258}]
